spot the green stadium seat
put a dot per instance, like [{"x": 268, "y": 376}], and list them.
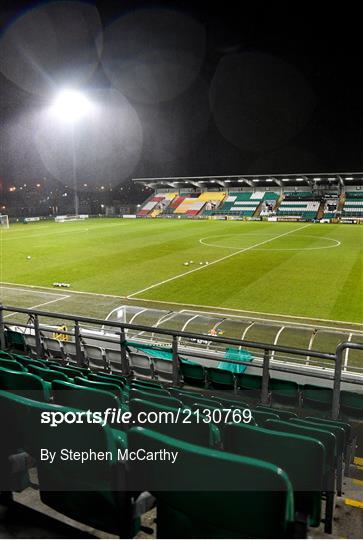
[
  {"x": 251, "y": 385},
  {"x": 49, "y": 375},
  {"x": 186, "y": 392},
  {"x": 119, "y": 381},
  {"x": 6, "y": 355},
  {"x": 351, "y": 405},
  {"x": 148, "y": 383},
  {"x": 25, "y": 361},
  {"x": 144, "y": 388},
  {"x": 24, "y": 384},
  {"x": 53, "y": 364},
  {"x": 154, "y": 397},
  {"x": 13, "y": 365},
  {"x": 317, "y": 398},
  {"x": 193, "y": 374},
  {"x": 70, "y": 372},
  {"x": 261, "y": 417},
  {"x": 200, "y": 495},
  {"x": 20, "y": 355},
  {"x": 347, "y": 427},
  {"x": 221, "y": 378},
  {"x": 14, "y": 338},
  {"x": 349, "y": 436},
  {"x": 231, "y": 403},
  {"x": 339, "y": 433},
  {"x": 284, "y": 392},
  {"x": 81, "y": 397},
  {"x": 202, "y": 406},
  {"x": 328, "y": 439},
  {"x": 12, "y": 444},
  {"x": 83, "y": 370},
  {"x": 189, "y": 400},
  {"x": 282, "y": 413},
  {"x": 193, "y": 431},
  {"x": 114, "y": 376},
  {"x": 288, "y": 451},
  {"x": 93, "y": 493},
  {"x": 108, "y": 387}
]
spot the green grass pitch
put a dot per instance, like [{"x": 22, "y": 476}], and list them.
[{"x": 287, "y": 269}]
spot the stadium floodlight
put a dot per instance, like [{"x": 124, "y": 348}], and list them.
[{"x": 70, "y": 106}]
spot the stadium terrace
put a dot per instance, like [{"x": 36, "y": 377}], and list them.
[{"x": 181, "y": 254}]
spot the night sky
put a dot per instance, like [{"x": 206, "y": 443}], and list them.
[{"x": 278, "y": 90}]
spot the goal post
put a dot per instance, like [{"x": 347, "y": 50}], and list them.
[{"x": 4, "y": 221}]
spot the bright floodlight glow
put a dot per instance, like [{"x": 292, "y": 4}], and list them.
[{"x": 70, "y": 106}]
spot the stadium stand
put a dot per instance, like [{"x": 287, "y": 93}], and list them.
[
  {"x": 242, "y": 203},
  {"x": 193, "y": 205},
  {"x": 156, "y": 204},
  {"x": 353, "y": 206},
  {"x": 259, "y": 202},
  {"x": 303, "y": 208},
  {"x": 200, "y": 494}
]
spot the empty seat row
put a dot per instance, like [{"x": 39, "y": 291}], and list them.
[
  {"x": 246, "y": 441},
  {"x": 281, "y": 392},
  {"x": 84, "y": 389}
]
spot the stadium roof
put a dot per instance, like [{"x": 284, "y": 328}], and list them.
[{"x": 313, "y": 180}]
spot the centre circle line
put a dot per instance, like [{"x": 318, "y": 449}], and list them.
[{"x": 336, "y": 244}]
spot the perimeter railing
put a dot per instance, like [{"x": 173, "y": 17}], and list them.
[{"x": 120, "y": 328}]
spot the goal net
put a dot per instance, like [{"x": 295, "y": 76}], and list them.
[
  {"x": 62, "y": 219},
  {"x": 4, "y": 221}
]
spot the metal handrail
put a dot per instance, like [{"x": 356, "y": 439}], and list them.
[
  {"x": 267, "y": 348},
  {"x": 173, "y": 333}
]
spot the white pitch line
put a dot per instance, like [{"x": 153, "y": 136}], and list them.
[
  {"x": 17, "y": 285},
  {"x": 147, "y": 300},
  {"x": 28, "y": 291},
  {"x": 41, "y": 305},
  {"x": 247, "y": 235},
  {"x": 56, "y": 233},
  {"x": 243, "y": 250},
  {"x": 284, "y": 317}
]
